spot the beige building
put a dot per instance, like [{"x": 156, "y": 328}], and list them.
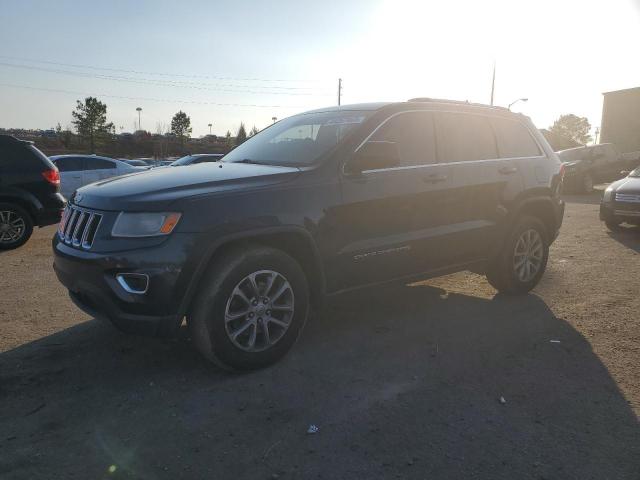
[{"x": 621, "y": 119}]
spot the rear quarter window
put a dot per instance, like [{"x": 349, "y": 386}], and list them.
[{"x": 514, "y": 139}]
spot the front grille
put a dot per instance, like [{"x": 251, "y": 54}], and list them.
[
  {"x": 78, "y": 227},
  {"x": 628, "y": 197}
]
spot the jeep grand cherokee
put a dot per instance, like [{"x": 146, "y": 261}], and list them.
[{"x": 316, "y": 204}]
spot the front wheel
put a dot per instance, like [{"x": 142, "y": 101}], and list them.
[
  {"x": 522, "y": 262},
  {"x": 250, "y": 309},
  {"x": 16, "y": 226}
]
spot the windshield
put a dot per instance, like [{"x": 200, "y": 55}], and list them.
[
  {"x": 635, "y": 173},
  {"x": 298, "y": 141}
]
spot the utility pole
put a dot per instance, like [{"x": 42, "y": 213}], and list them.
[
  {"x": 139, "y": 109},
  {"x": 274, "y": 119},
  {"x": 493, "y": 82},
  {"x": 339, "y": 90},
  {"x": 210, "y": 125}
]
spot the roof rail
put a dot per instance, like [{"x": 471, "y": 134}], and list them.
[{"x": 457, "y": 102}]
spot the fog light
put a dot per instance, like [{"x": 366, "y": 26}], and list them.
[{"x": 136, "y": 283}]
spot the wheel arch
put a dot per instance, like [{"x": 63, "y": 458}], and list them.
[
  {"x": 541, "y": 208},
  {"x": 25, "y": 200},
  {"x": 294, "y": 241}
]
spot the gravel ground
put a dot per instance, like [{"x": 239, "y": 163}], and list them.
[{"x": 442, "y": 379}]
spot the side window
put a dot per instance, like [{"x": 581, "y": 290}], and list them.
[
  {"x": 513, "y": 138},
  {"x": 98, "y": 164},
  {"x": 413, "y": 133},
  {"x": 463, "y": 137},
  {"x": 18, "y": 158},
  {"x": 69, "y": 164}
]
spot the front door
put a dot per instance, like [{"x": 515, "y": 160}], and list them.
[{"x": 391, "y": 218}]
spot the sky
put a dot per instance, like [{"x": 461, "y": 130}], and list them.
[{"x": 227, "y": 62}]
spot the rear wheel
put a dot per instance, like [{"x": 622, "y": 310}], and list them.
[
  {"x": 523, "y": 259},
  {"x": 251, "y": 308},
  {"x": 16, "y": 226},
  {"x": 587, "y": 183}
]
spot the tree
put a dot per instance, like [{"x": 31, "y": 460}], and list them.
[
  {"x": 181, "y": 126},
  {"x": 572, "y": 127},
  {"x": 228, "y": 137},
  {"x": 64, "y": 135},
  {"x": 253, "y": 131},
  {"x": 241, "y": 136},
  {"x": 90, "y": 120}
]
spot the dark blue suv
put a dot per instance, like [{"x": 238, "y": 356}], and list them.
[{"x": 312, "y": 206}]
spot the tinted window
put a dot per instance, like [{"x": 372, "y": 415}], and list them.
[
  {"x": 463, "y": 137},
  {"x": 69, "y": 164},
  {"x": 22, "y": 157},
  {"x": 98, "y": 164},
  {"x": 513, "y": 138},
  {"x": 413, "y": 133}
]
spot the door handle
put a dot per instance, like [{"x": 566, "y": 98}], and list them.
[
  {"x": 434, "y": 178},
  {"x": 508, "y": 170}
]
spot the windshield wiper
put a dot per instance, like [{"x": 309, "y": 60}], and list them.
[{"x": 248, "y": 160}]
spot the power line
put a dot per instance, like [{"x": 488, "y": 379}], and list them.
[
  {"x": 149, "y": 99},
  {"x": 161, "y": 83},
  {"x": 138, "y": 72}
]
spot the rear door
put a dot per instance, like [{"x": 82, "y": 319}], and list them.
[
  {"x": 481, "y": 182},
  {"x": 71, "y": 170}
]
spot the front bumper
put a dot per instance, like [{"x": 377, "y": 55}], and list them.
[
  {"x": 620, "y": 212},
  {"x": 91, "y": 280}
]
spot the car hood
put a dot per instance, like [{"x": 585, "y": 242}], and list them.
[
  {"x": 156, "y": 189},
  {"x": 627, "y": 185}
]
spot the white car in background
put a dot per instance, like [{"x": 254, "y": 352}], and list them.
[{"x": 79, "y": 170}]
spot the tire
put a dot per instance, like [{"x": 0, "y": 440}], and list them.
[
  {"x": 503, "y": 274},
  {"x": 16, "y": 226},
  {"x": 613, "y": 225},
  {"x": 218, "y": 300},
  {"x": 586, "y": 183}
]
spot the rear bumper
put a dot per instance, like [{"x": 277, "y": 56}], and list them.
[
  {"x": 51, "y": 211},
  {"x": 559, "y": 214}
]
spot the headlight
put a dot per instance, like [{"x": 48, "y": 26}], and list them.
[
  {"x": 608, "y": 194},
  {"x": 145, "y": 224}
]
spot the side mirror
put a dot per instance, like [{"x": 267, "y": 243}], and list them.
[{"x": 374, "y": 155}]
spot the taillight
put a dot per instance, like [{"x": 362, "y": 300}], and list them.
[{"x": 52, "y": 176}]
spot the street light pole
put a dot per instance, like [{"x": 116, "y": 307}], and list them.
[
  {"x": 210, "y": 125},
  {"x": 139, "y": 110},
  {"x": 274, "y": 119},
  {"x": 516, "y": 101}
]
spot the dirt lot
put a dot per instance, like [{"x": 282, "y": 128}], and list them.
[{"x": 402, "y": 382}]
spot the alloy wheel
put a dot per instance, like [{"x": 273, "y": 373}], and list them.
[
  {"x": 259, "y": 311},
  {"x": 528, "y": 255},
  {"x": 12, "y": 226}
]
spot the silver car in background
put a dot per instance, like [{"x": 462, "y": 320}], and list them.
[{"x": 79, "y": 170}]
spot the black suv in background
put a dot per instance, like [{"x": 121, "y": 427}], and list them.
[
  {"x": 314, "y": 205},
  {"x": 586, "y": 166},
  {"x": 29, "y": 191}
]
